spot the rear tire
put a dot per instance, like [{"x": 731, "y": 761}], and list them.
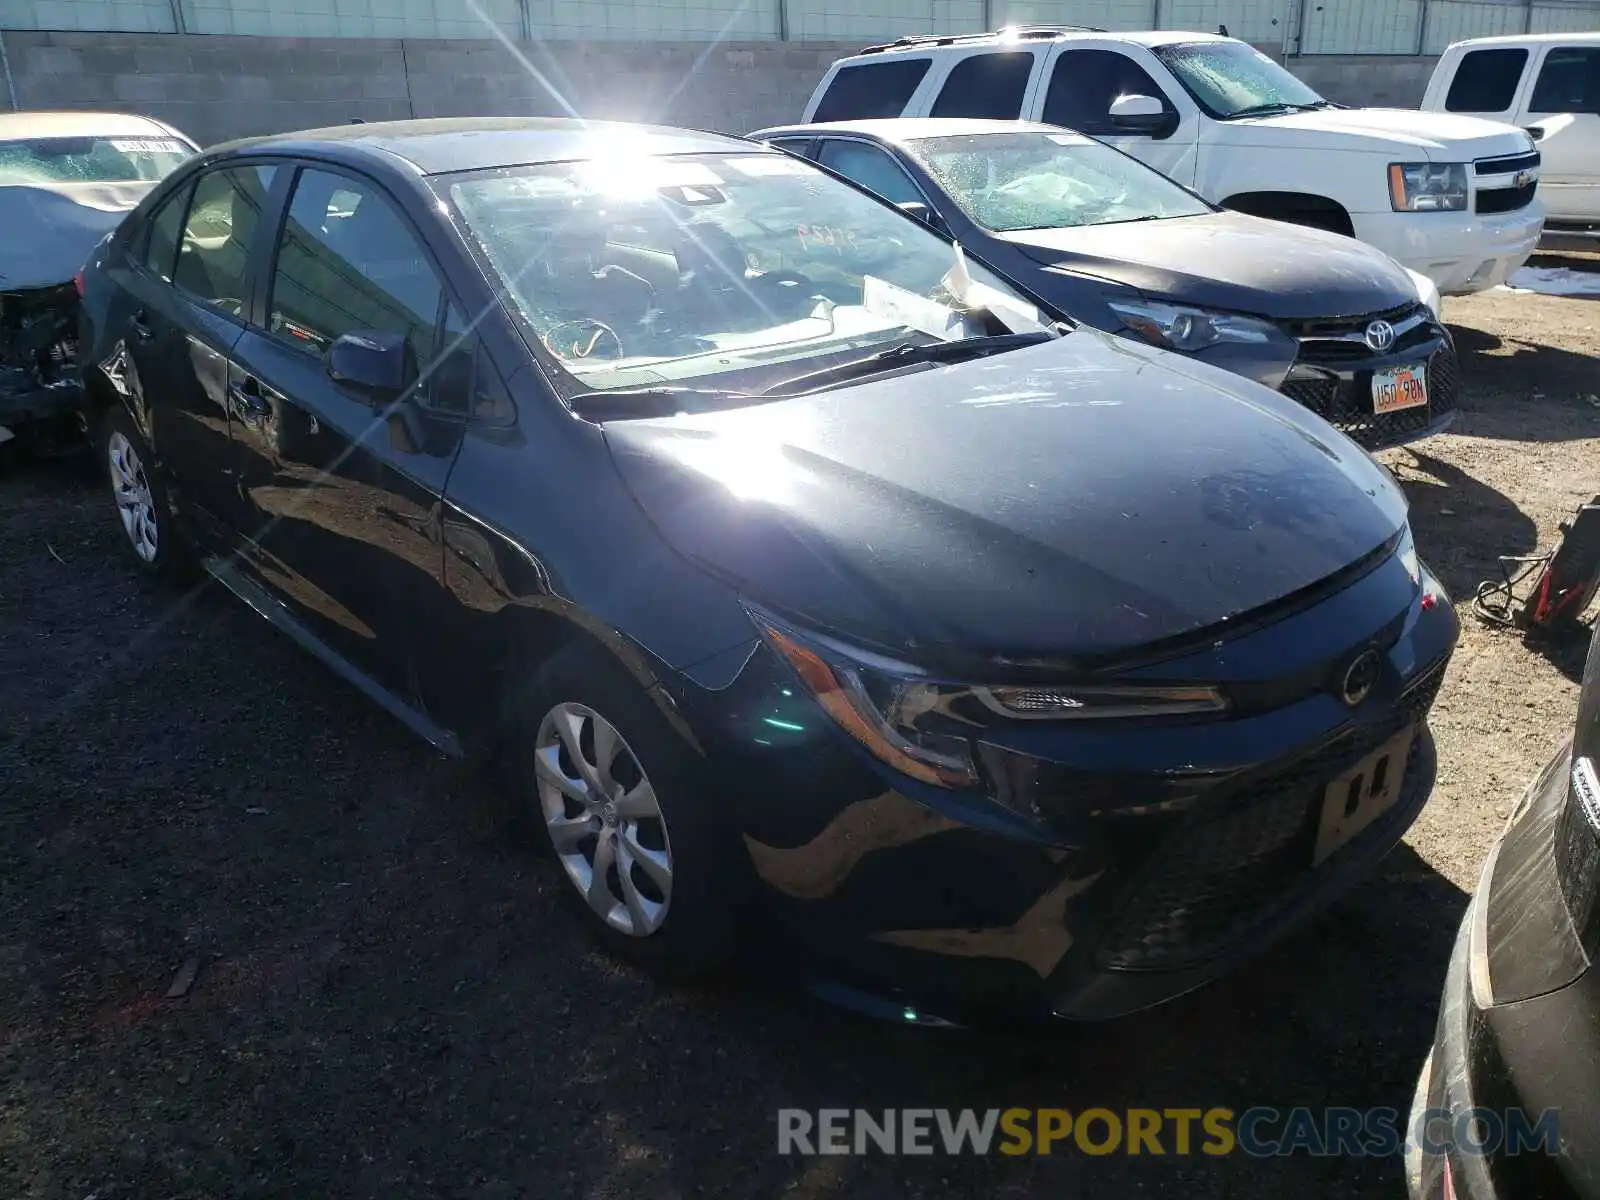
[
  {"x": 626, "y": 809},
  {"x": 144, "y": 510}
]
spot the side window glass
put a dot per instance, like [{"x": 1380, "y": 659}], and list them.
[
  {"x": 214, "y": 254},
  {"x": 878, "y": 89},
  {"x": 795, "y": 146},
  {"x": 162, "y": 234},
  {"x": 989, "y": 86},
  {"x": 1084, "y": 83},
  {"x": 871, "y": 168},
  {"x": 448, "y": 388},
  {"x": 1569, "y": 81},
  {"x": 1486, "y": 80},
  {"x": 346, "y": 262}
]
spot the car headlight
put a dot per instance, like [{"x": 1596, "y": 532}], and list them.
[
  {"x": 1179, "y": 327},
  {"x": 1406, "y": 552},
  {"x": 923, "y": 727},
  {"x": 1428, "y": 187}
]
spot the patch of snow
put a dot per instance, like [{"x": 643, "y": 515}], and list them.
[{"x": 1554, "y": 281}]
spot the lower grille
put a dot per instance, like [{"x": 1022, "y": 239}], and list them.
[
  {"x": 1504, "y": 200},
  {"x": 1230, "y": 868},
  {"x": 1347, "y": 405}
]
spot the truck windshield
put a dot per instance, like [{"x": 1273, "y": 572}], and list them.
[
  {"x": 90, "y": 159},
  {"x": 1231, "y": 79}
]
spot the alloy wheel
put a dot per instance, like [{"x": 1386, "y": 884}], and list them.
[
  {"x": 135, "y": 505},
  {"x": 604, "y": 819}
]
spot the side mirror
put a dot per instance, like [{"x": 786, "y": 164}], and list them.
[
  {"x": 923, "y": 213},
  {"x": 373, "y": 362},
  {"x": 1141, "y": 114}
]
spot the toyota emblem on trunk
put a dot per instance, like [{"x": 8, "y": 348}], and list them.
[
  {"x": 1380, "y": 335},
  {"x": 1360, "y": 677}
]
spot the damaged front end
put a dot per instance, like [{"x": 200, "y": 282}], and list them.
[{"x": 41, "y": 390}]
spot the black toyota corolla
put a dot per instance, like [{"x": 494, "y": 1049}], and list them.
[
  {"x": 780, "y": 551},
  {"x": 1108, "y": 241}
]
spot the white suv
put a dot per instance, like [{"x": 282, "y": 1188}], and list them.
[{"x": 1450, "y": 197}]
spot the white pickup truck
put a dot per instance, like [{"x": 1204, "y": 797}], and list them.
[
  {"x": 1451, "y": 197},
  {"x": 1550, "y": 85}
]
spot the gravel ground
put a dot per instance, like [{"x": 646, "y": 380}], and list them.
[{"x": 392, "y": 1003}]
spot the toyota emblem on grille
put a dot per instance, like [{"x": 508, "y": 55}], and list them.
[
  {"x": 1360, "y": 677},
  {"x": 1380, "y": 335}
]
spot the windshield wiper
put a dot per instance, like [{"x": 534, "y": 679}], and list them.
[
  {"x": 905, "y": 354},
  {"x": 621, "y": 404},
  {"x": 1279, "y": 106}
]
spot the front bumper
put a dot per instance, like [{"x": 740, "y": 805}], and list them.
[
  {"x": 23, "y": 400},
  {"x": 1333, "y": 378},
  {"x": 1461, "y": 252},
  {"x": 1526, "y": 1057},
  {"x": 1151, "y": 860}
]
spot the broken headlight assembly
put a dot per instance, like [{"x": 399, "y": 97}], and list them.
[{"x": 924, "y": 727}]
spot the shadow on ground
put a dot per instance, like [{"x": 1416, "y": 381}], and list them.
[{"x": 390, "y": 1004}]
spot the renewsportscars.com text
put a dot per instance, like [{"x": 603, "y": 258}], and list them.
[{"x": 1259, "y": 1132}]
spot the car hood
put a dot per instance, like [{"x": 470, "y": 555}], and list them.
[
  {"x": 51, "y": 228},
  {"x": 1439, "y": 137},
  {"x": 1062, "y": 502},
  {"x": 1229, "y": 260}
]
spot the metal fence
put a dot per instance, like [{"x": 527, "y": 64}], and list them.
[{"x": 1295, "y": 26}]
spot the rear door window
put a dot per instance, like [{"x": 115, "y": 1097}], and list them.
[
  {"x": 1569, "y": 81},
  {"x": 872, "y": 168},
  {"x": 988, "y": 86},
  {"x": 1486, "y": 80},
  {"x": 218, "y": 232},
  {"x": 1084, "y": 83},
  {"x": 871, "y": 90}
]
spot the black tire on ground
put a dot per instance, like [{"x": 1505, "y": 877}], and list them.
[
  {"x": 700, "y": 931},
  {"x": 174, "y": 559}
]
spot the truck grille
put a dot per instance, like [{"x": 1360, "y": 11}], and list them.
[
  {"x": 1504, "y": 200},
  {"x": 1229, "y": 869},
  {"x": 1506, "y": 166}
]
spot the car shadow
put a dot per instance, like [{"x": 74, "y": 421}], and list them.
[
  {"x": 1445, "y": 500},
  {"x": 1500, "y": 400}
]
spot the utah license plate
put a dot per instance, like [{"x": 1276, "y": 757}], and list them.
[
  {"x": 1400, "y": 387},
  {"x": 1362, "y": 794}
]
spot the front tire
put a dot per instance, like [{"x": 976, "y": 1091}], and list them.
[
  {"x": 626, "y": 809},
  {"x": 142, "y": 505}
]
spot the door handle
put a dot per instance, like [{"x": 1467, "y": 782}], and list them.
[
  {"x": 140, "y": 325},
  {"x": 247, "y": 402}
]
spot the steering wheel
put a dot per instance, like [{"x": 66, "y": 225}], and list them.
[{"x": 581, "y": 346}]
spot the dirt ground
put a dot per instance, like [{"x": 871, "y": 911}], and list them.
[{"x": 390, "y": 1003}]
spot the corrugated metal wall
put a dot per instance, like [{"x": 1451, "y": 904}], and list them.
[{"x": 1304, "y": 26}]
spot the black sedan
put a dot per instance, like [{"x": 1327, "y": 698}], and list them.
[
  {"x": 1504, "y": 1108},
  {"x": 1103, "y": 239},
  {"x": 780, "y": 551}
]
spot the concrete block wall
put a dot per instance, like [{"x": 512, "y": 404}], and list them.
[{"x": 220, "y": 87}]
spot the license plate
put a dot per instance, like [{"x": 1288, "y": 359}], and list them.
[
  {"x": 1362, "y": 794},
  {"x": 1399, "y": 387}
]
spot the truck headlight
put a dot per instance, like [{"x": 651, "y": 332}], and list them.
[
  {"x": 923, "y": 726},
  {"x": 1179, "y": 327},
  {"x": 1428, "y": 187}
]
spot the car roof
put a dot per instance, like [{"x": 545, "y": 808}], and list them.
[
  {"x": 17, "y": 126},
  {"x": 443, "y": 145},
  {"x": 1591, "y": 38},
  {"x": 1022, "y": 35},
  {"x": 899, "y": 130}
]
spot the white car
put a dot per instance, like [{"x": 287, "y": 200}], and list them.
[
  {"x": 1450, "y": 197},
  {"x": 66, "y": 180},
  {"x": 1550, "y": 85}
]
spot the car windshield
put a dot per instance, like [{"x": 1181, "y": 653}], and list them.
[
  {"x": 637, "y": 271},
  {"x": 131, "y": 159},
  {"x": 1010, "y": 181},
  {"x": 1231, "y": 79}
]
